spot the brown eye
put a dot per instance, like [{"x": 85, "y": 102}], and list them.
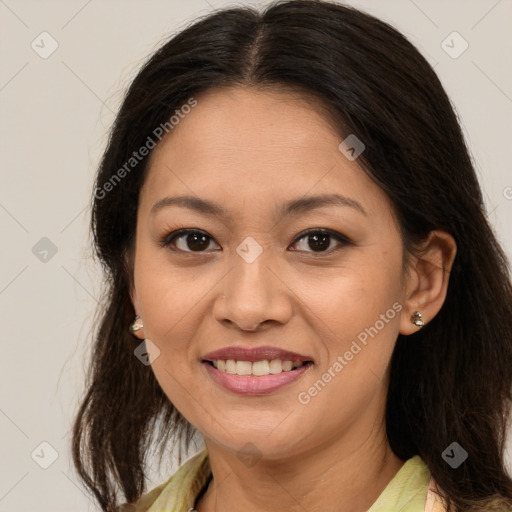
[
  {"x": 188, "y": 240},
  {"x": 320, "y": 240}
]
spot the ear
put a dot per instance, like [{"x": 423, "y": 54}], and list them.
[
  {"x": 427, "y": 279},
  {"x": 133, "y": 296}
]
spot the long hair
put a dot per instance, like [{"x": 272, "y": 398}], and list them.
[{"x": 450, "y": 381}]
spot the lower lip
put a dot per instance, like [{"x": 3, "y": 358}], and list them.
[{"x": 252, "y": 385}]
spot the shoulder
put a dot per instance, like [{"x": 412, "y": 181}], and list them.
[
  {"x": 178, "y": 493},
  {"x": 412, "y": 488},
  {"x": 409, "y": 489},
  {"x": 434, "y": 502}
]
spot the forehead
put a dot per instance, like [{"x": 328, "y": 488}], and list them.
[
  {"x": 252, "y": 146},
  {"x": 253, "y": 120}
]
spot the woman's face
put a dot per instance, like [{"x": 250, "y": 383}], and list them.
[{"x": 251, "y": 276}]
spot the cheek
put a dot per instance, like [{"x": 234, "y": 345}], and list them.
[
  {"x": 170, "y": 305},
  {"x": 356, "y": 296},
  {"x": 167, "y": 295},
  {"x": 175, "y": 304},
  {"x": 358, "y": 324}
]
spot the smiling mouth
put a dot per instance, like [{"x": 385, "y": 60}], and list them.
[{"x": 257, "y": 368}]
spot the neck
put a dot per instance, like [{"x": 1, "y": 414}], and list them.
[{"x": 342, "y": 471}]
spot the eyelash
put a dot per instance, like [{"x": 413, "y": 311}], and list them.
[{"x": 168, "y": 240}]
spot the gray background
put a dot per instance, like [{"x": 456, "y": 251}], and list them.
[{"x": 55, "y": 114}]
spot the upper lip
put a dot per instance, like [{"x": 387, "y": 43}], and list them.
[{"x": 253, "y": 354}]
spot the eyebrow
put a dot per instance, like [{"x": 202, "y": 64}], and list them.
[{"x": 293, "y": 207}]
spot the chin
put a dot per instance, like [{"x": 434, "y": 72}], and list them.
[{"x": 250, "y": 440}]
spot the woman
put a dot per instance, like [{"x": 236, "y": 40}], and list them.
[{"x": 299, "y": 268}]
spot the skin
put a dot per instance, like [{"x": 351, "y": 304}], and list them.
[{"x": 251, "y": 151}]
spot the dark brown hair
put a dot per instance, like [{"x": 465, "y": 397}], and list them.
[{"x": 451, "y": 381}]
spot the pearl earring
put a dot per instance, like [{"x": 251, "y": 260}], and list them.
[
  {"x": 417, "y": 319},
  {"x": 136, "y": 325}
]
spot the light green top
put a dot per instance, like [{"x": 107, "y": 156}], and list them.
[{"x": 406, "y": 492}]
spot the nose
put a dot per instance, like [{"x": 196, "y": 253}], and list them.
[{"x": 253, "y": 295}]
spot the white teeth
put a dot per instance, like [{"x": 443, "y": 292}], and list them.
[
  {"x": 258, "y": 368},
  {"x": 230, "y": 366},
  {"x": 287, "y": 366},
  {"x": 243, "y": 367},
  {"x": 276, "y": 366}
]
